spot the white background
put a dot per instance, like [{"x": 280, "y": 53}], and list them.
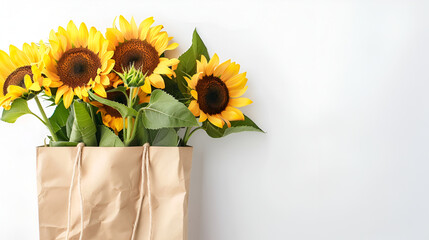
[{"x": 340, "y": 87}]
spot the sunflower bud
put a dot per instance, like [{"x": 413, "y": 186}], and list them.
[{"x": 132, "y": 77}]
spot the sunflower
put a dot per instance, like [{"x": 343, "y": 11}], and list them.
[
  {"x": 21, "y": 72},
  {"x": 78, "y": 61},
  {"x": 216, "y": 90},
  {"x": 110, "y": 116},
  {"x": 141, "y": 47}
]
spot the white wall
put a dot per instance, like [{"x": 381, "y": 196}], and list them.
[{"x": 341, "y": 87}]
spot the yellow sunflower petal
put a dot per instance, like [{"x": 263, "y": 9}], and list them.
[
  {"x": 146, "y": 87},
  {"x": 144, "y": 27},
  {"x": 118, "y": 123},
  {"x": 162, "y": 69},
  {"x": 118, "y": 34},
  {"x": 152, "y": 33},
  {"x": 1, "y": 89},
  {"x": 60, "y": 93},
  {"x": 227, "y": 121},
  {"x": 83, "y": 35},
  {"x": 97, "y": 79},
  {"x": 55, "y": 84},
  {"x": 239, "y": 102},
  {"x": 194, "y": 108},
  {"x": 230, "y": 71},
  {"x": 118, "y": 82},
  {"x": 194, "y": 94},
  {"x": 214, "y": 61},
  {"x": 172, "y": 46},
  {"x": 73, "y": 34},
  {"x": 111, "y": 36},
  {"x": 48, "y": 91},
  {"x": 107, "y": 56},
  {"x": 125, "y": 27},
  {"x": 27, "y": 81},
  {"x": 64, "y": 38},
  {"x": 68, "y": 98},
  {"x": 6, "y": 64},
  {"x": 110, "y": 64},
  {"x": 5, "y": 102},
  {"x": 104, "y": 79},
  {"x": 238, "y": 93},
  {"x": 237, "y": 86},
  {"x": 221, "y": 68},
  {"x": 215, "y": 120},
  {"x": 18, "y": 57},
  {"x": 94, "y": 40},
  {"x": 238, "y": 112},
  {"x": 15, "y": 91},
  {"x": 192, "y": 83},
  {"x": 203, "y": 116},
  {"x": 30, "y": 52},
  {"x": 231, "y": 115},
  {"x": 157, "y": 81},
  {"x": 201, "y": 65},
  {"x": 35, "y": 87},
  {"x": 134, "y": 31},
  {"x": 84, "y": 92},
  {"x": 78, "y": 92},
  {"x": 99, "y": 89},
  {"x": 236, "y": 80},
  {"x": 162, "y": 43}
]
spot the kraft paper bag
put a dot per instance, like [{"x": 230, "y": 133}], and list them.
[{"x": 118, "y": 193}]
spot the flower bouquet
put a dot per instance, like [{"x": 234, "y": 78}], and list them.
[{"x": 119, "y": 90}]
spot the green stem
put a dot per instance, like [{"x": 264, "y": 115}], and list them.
[
  {"x": 32, "y": 113},
  {"x": 136, "y": 92},
  {"x": 124, "y": 130},
  {"x": 45, "y": 118},
  {"x": 189, "y": 134},
  {"x": 130, "y": 119},
  {"x": 133, "y": 133}
]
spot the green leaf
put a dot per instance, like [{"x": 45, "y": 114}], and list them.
[
  {"x": 19, "y": 107},
  {"x": 62, "y": 144},
  {"x": 85, "y": 125},
  {"x": 164, "y": 137},
  {"x": 70, "y": 121},
  {"x": 141, "y": 136},
  {"x": 121, "y": 89},
  {"x": 172, "y": 89},
  {"x": 59, "y": 117},
  {"x": 122, "y": 109},
  {"x": 198, "y": 46},
  {"x": 188, "y": 64},
  {"x": 236, "y": 126},
  {"x": 62, "y": 134},
  {"x": 75, "y": 135},
  {"x": 164, "y": 111},
  {"x": 108, "y": 138}
]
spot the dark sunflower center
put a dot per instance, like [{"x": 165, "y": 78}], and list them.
[
  {"x": 17, "y": 77},
  {"x": 117, "y": 97},
  {"x": 213, "y": 95},
  {"x": 137, "y": 52},
  {"x": 77, "y": 66}
]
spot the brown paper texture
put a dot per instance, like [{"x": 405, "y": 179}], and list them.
[{"x": 110, "y": 187}]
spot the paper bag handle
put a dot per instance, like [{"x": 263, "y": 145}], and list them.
[
  {"x": 144, "y": 173},
  {"x": 78, "y": 165}
]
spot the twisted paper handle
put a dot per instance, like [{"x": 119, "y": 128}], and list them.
[
  {"x": 144, "y": 173},
  {"x": 78, "y": 165}
]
